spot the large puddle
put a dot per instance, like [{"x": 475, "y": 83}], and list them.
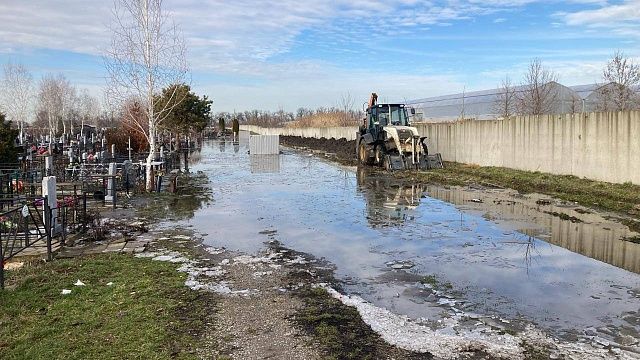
[{"x": 429, "y": 252}]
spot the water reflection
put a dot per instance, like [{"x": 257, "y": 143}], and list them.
[
  {"x": 594, "y": 236},
  {"x": 223, "y": 145},
  {"x": 388, "y": 201},
  {"x": 264, "y": 164}
]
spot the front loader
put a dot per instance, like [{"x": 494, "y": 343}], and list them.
[{"x": 386, "y": 139}]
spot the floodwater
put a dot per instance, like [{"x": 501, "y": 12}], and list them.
[{"x": 428, "y": 251}]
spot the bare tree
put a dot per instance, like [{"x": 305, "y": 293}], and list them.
[
  {"x": 346, "y": 105},
  {"x": 50, "y": 103},
  {"x": 18, "y": 94},
  {"x": 69, "y": 103},
  {"x": 147, "y": 54},
  {"x": 623, "y": 75},
  {"x": 505, "y": 103},
  {"x": 576, "y": 104},
  {"x": 604, "y": 98},
  {"x": 88, "y": 108},
  {"x": 539, "y": 90}
]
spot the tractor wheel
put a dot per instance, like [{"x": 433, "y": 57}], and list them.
[{"x": 363, "y": 155}]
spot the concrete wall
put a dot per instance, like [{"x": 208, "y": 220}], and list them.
[
  {"x": 348, "y": 133},
  {"x": 599, "y": 146}
]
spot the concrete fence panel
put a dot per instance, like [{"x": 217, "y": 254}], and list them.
[
  {"x": 264, "y": 144},
  {"x": 599, "y": 146}
]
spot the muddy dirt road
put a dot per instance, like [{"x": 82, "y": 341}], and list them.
[{"x": 462, "y": 262}]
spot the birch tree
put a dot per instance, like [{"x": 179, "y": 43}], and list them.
[
  {"x": 539, "y": 91},
  {"x": 18, "y": 91},
  {"x": 147, "y": 54},
  {"x": 624, "y": 78},
  {"x": 50, "y": 101}
]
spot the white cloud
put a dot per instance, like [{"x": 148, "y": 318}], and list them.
[
  {"x": 245, "y": 39},
  {"x": 624, "y": 18},
  {"x": 226, "y": 35}
]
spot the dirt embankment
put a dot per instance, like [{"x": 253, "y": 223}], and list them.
[{"x": 342, "y": 150}]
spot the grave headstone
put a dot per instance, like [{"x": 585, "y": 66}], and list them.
[
  {"x": 111, "y": 184},
  {"x": 49, "y": 190}
]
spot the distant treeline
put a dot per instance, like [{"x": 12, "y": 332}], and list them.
[{"x": 303, "y": 117}]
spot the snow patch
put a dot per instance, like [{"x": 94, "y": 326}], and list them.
[{"x": 450, "y": 343}]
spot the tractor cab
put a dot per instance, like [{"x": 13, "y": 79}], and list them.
[
  {"x": 380, "y": 116},
  {"x": 387, "y": 115}
]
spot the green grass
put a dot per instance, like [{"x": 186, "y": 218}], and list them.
[
  {"x": 621, "y": 198},
  {"x": 147, "y": 313},
  {"x": 436, "y": 284}
]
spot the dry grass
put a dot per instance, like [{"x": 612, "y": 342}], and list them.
[{"x": 328, "y": 119}]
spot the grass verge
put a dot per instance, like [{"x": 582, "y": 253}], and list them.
[
  {"x": 340, "y": 331},
  {"x": 147, "y": 313},
  {"x": 621, "y": 198}
]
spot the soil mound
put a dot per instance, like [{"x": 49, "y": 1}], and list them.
[{"x": 344, "y": 150}]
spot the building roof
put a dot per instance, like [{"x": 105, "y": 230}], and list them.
[{"x": 481, "y": 104}]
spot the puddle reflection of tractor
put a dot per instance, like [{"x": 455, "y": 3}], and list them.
[
  {"x": 386, "y": 139},
  {"x": 388, "y": 201}
]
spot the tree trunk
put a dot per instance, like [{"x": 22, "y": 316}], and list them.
[
  {"x": 21, "y": 136},
  {"x": 151, "y": 157}
]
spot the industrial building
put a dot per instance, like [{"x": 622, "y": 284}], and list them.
[{"x": 481, "y": 105}]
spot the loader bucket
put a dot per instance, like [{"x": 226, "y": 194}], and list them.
[
  {"x": 394, "y": 163},
  {"x": 434, "y": 161},
  {"x": 400, "y": 162}
]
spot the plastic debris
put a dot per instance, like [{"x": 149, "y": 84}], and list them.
[
  {"x": 79, "y": 283},
  {"x": 66, "y": 291},
  {"x": 110, "y": 283}
]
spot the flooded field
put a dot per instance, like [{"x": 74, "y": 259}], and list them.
[{"x": 450, "y": 258}]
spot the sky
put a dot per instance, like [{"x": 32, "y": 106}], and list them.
[{"x": 286, "y": 54}]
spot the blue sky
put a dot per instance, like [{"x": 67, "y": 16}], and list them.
[{"x": 289, "y": 53}]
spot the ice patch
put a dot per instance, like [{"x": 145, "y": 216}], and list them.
[
  {"x": 248, "y": 259},
  {"x": 449, "y": 343},
  {"x": 214, "y": 251},
  {"x": 149, "y": 254},
  {"x": 400, "y": 264}
]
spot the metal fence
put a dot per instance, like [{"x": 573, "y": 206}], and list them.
[{"x": 36, "y": 223}]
